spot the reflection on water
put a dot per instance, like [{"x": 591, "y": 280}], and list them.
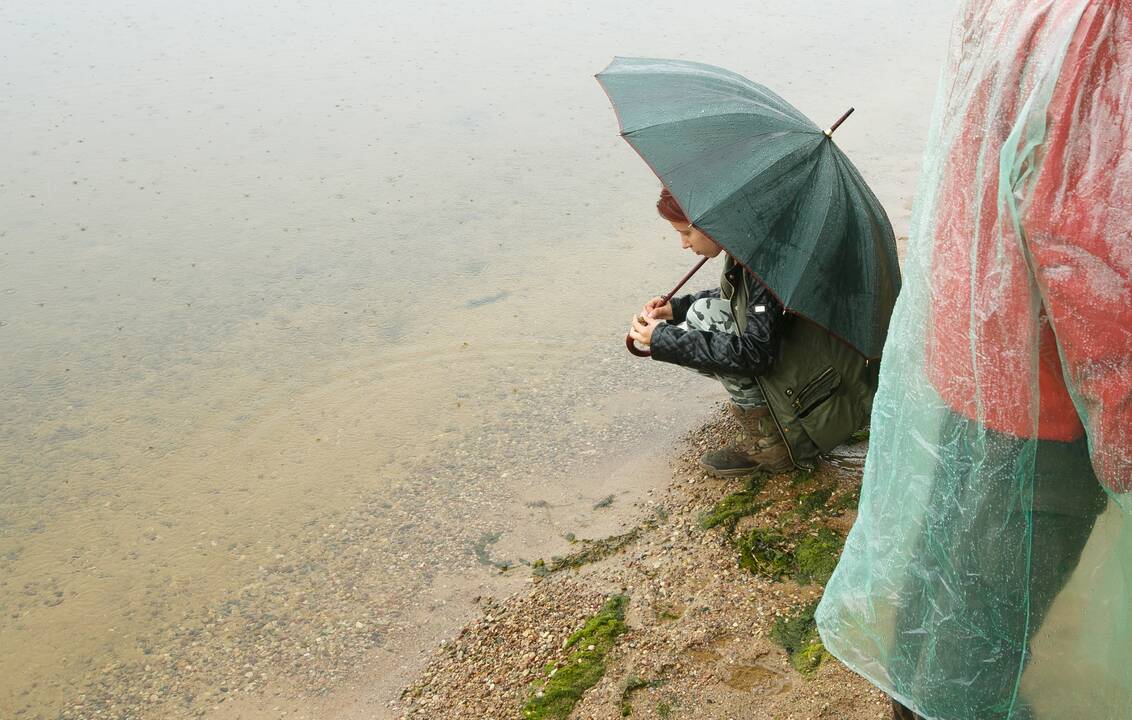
[{"x": 298, "y": 301}]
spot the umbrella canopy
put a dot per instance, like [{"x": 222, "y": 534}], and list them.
[{"x": 767, "y": 184}]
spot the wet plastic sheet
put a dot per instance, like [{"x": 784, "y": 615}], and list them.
[{"x": 989, "y": 573}]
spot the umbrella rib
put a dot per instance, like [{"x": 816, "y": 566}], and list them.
[
  {"x": 840, "y": 183},
  {"x": 741, "y": 186}
]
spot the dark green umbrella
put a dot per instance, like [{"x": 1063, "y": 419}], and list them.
[{"x": 768, "y": 185}]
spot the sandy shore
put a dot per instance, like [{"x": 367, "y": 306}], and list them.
[{"x": 699, "y": 611}]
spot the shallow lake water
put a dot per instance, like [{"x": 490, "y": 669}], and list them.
[{"x": 311, "y": 319}]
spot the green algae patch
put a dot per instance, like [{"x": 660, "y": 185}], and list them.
[
  {"x": 632, "y": 684},
  {"x": 798, "y": 636},
  {"x": 483, "y": 557},
  {"x": 584, "y": 667},
  {"x": 766, "y": 552},
  {"x": 776, "y": 555},
  {"x": 816, "y": 556},
  {"x": 736, "y": 506},
  {"x": 789, "y": 534},
  {"x": 592, "y": 551},
  {"x": 846, "y": 501},
  {"x": 670, "y": 615},
  {"x": 810, "y": 503},
  {"x": 801, "y": 476},
  {"x": 807, "y": 660}
]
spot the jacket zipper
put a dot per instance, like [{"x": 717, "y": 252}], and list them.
[{"x": 797, "y": 404}]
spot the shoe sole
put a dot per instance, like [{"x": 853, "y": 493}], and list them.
[
  {"x": 736, "y": 472},
  {"x": 741, "y": 472}
]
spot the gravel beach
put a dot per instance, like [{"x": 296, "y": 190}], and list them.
[{"x": 703, "y": 632}]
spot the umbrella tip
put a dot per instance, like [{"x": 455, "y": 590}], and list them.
[{"x": 834, "y": 126}]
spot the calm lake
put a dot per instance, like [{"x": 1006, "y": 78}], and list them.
[{"x": 311, "y": 320}]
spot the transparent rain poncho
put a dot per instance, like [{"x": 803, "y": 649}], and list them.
[{"x": 989, "y": 573}]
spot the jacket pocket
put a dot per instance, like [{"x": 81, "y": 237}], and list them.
[{"x": 815, "y": 392}]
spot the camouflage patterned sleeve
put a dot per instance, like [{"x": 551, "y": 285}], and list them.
[
  {"x": 681, "y": 304},
  {"x": 750, "y": 353}
]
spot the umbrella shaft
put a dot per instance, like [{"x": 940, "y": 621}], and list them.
[{"x": 684, "y": 279}]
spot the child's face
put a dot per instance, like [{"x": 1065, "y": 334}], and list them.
[{"x": 692, "y": 239}]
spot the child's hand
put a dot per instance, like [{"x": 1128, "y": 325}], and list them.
[
  {"x": 642, "y": 328},
  {"x": 657, "y": 308}
]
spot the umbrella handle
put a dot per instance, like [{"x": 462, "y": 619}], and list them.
[
  {"x": 834, "y": 126},
  {"x": 629, "y": 344}
]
